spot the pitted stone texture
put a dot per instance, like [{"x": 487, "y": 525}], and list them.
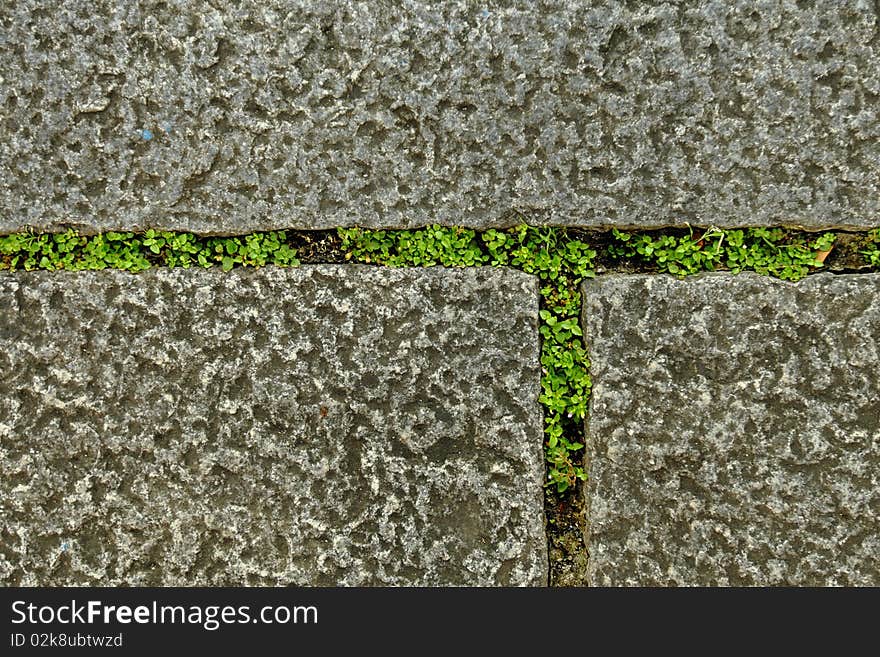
[
  {"x": 328, "y": 425},
  {"x": 312, "y": 114},
  {"x": 734, "y": 431}
]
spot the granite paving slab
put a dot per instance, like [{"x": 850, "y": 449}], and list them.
[
  {"x": 333, "y": 425},
  {"x": 229, "y": 117},
  {"x": 734, "y": 430}
]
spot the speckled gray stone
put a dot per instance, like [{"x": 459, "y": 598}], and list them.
[
  {"x": 308, "y": 114},
  {"x": 326, "y": 425},
  {"x": 734, "y": 430}
]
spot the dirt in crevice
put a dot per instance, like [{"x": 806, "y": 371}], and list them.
[
  {"x": 317, "y": 247},
  {"x": 846, "y": 256},
  {"x": 565, "y": 537}
]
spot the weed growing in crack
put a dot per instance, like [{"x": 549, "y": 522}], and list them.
[
  {"x": 136, "y": 252},
  {"x": 872, "y": 253},
  {"x": 768, "y": 251}
]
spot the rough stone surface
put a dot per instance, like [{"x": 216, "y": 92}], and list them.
[
  {"x": 275, "y": 113},
  {"x": 327, "y": 425},
  {"x": 734, "y": 432}
]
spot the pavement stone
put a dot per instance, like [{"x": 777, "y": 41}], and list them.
[
  {"x": 230, "y": 117},
  {"x": 328, "y": 425},
  {"x": 734, "y": 430}
]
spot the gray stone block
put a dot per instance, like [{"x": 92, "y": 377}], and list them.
[
  {"x": 325, "y": 425},
  {"x": 734, "y": 430},
  {"x": 267, "y": 114}
]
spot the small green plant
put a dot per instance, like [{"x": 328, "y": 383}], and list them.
[
  {"x": 769, "y": 251},
  {"x": 135, "y": 252},
  {"x": 434, "y": 245},
  {"x": 872, "y": 252}
]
